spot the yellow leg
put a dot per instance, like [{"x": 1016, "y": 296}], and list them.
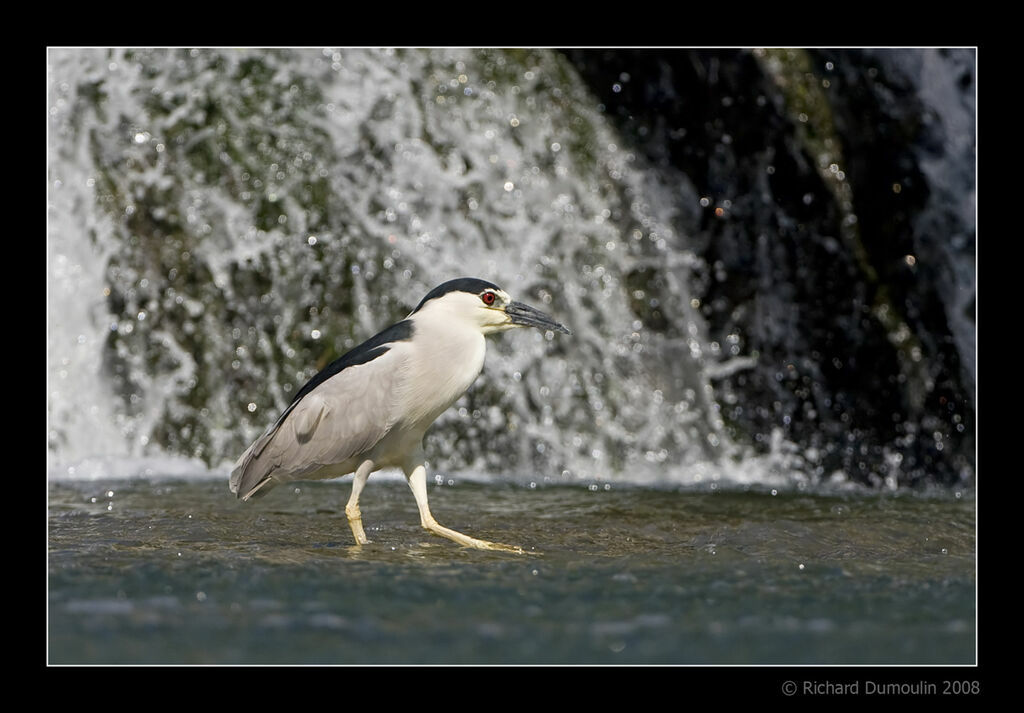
[
  {"x": 417, "y": 478},
  {"x": 352, "y": 512}
]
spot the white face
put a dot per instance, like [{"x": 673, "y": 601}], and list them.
[
  {"x": 484, "y": 311},
  {"x": 491, "y": 310}
]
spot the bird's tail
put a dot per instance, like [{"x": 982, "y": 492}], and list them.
[{"x": 251, "y": 476}]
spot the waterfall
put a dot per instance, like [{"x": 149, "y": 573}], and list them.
[{"x": 224, "y": 223}]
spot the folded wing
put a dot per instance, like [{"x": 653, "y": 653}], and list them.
[{"x": 342, "y": 413}]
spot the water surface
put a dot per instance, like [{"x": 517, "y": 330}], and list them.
[{"x": 178, "y": 572}]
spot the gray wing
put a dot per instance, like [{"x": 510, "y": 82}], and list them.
[{"x": 344, "y": 416}]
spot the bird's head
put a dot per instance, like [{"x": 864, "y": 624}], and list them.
[{"x": 485, "y": 305}]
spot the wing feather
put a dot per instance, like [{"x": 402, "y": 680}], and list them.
[{"x": 346, "y": 416}]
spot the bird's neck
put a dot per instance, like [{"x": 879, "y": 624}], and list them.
[{"x": 450, "y": 357}]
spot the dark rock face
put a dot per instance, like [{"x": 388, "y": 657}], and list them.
[{"x": 834, "y": 245}]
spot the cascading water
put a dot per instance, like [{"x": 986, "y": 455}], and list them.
[{"x": 223, "y": 223}]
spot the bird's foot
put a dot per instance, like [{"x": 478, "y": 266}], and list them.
[
  {"x": 467, "y": 541},
  {"x": 356, "y": 523},
  {"x": 485, "y": 545}
]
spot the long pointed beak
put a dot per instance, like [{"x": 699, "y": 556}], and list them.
[{"x": 526, "y": 316}]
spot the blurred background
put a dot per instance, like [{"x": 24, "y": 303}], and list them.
[{"x": 767, "y": 257}]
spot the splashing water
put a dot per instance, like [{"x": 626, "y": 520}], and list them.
[{"x": 224, "y": 223}]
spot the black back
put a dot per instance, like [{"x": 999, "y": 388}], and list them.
[
  {"x": 365, "y": 352},
  {"x": 378, "y": 344}
]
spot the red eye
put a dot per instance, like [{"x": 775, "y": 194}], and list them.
[{"x": 488, "y": 298}]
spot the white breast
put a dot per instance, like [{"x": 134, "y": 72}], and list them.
[{"x": 446, "y": 359}]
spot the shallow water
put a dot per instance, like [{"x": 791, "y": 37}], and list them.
[{"x": 179, "y": 572}]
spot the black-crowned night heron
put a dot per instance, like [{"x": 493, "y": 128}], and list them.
[{"x": 370, "y": 408}]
